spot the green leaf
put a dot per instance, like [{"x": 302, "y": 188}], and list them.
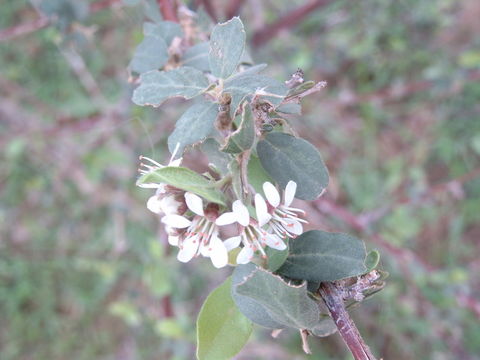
[
  {"x": 290, "y": 108},
  {"x": 150, "y": 54},
  {"x": 227, "y": 43},
  {"x": 157, "y": 86},
  {"x": 184, "y": 179},
  {"x": 222, "y": 330},
  {"x": 166, "y": 30},
  {"x": 276, "y": 258},
  {"x": 286, "y": 158},
  {"x": 193, "y": 126},
  {"x": 322, "y": 256},
  {"x": 216, "y": 158},
  {"x": 287, "y": 304},
  {"x": 197, "y": 56},
  {"x": 249, "y": 307},
  {"x": 372, "y": 260},
  {"x": 246, "y": 85},
  {"x": 257, "y": 175},
  {"x": 244, "y": 137},
  {"x": 325, "y": 327}
]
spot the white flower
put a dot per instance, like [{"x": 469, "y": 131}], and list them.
[
  {"x": 200, "y": 236},
  {"x": 252, "y": 236},
  {"x": 164, "y": 201},
  {"x": 280, "y": 218}
]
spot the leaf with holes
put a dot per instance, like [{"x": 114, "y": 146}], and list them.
[{"x": 227, "y": 43}]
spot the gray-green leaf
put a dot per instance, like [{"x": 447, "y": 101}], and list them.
[
  {"x": 227, "y": 43},
  {"x": 286, "y": 158},
  {"x": 222, "y": 330},
  {"x": 322, "y": 256},
  {"x": 166, "y": 30},
  {"x": 197, "y": 56},
  {"x": 257, "y": 175},
  {"x": 157, "y": 86},
  {"x": 286, "y": 304},
  {"x": 249, "y": 307},
  {"x": 244, "y": 137},
  {"x": 150, "y": 54},
  {"x": 216, "y": 158},
  {"x": 184, "y": 179},
  {"x": 325, "y": 327},
  {"x": 193, "y": 126},
  {"x": 246, "y": 85}
]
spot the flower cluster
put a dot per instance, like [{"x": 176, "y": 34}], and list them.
[{"x": 194, "y": 226}]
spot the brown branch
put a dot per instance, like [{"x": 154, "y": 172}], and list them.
[
  {"x": 286, "y": 21},
  {"x": 233, "y": 8},
  {"x": 168, "y": 8},
  {"x": 332, "y": 296}
]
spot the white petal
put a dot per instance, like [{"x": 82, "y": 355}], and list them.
[
  {"x": 169, "y": 205},
  {"x": 175, "y": 162},
  {"x": 154, "y": 205},
  {"x": 261, "y": 208},
  {"x": 218, "y": 252},
  {"x": 241, "y": 212},
  {"x": 194, "y": 203},
  {"x": 275, "y": 242},
  {"x": 204, "y": 250},
  {"x": 176, "y": 221},
  {"x": 189, "y": 249},
  {"x": 149, "y": 185},
  {"x": 271, "y": 194},
  {"x": 226, "y": 219},
  {"x": 245, "y": 255},
  {"x": 173, "y": 240},
  {"x": 232, "y": 243},
  {"x": 293, "y": 226},
  {"x": 290, "y": 191}
]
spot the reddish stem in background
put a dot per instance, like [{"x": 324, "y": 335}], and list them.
[
  {"x": 286, "y": 21},
  {"x": 346, "y": 327},
  {"x": 208, "y": 8},
  {"x": 233, "y": 8},
  {"x": 168, "y": 8}
]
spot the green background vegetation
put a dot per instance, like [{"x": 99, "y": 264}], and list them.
[{"x": 84, "y": 272}]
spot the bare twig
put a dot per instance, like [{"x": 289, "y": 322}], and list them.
[
  {"x": 168, "y": 8},
  {"x": 286, "y": 21},
  {"x": 332, "y": 297}
]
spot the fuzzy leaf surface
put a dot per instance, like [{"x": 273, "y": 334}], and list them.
[
  {"x": 222, "y": 330},
  {"x": 184, "y": 179},
  {"x": 245, "y": 85},
  {"x": 322, "y": 256},
  {"x": 227, "y": 43},
  {"x": 325, "y": 327},
  {"x": 150, "y": 54},
  {"x": 286, "y": 158},
  {"x": 248, "y": 306},
  {"x": 217, "y": 159},
  {"x": 286, "y": 304},
  {"x": 196, "y": 56},
  {"x": 166, "y": 30},
  {"x": 193, "y": 126},
  {"x": 157, "y": 86}
]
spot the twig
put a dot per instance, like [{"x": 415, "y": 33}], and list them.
[
  {"x": 168, "y": 9},
  {"x": 286, "y": 21},
  {"x": 332, "y": 297}
]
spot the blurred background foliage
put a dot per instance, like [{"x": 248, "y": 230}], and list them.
[{"x": 84, "y": 270}]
